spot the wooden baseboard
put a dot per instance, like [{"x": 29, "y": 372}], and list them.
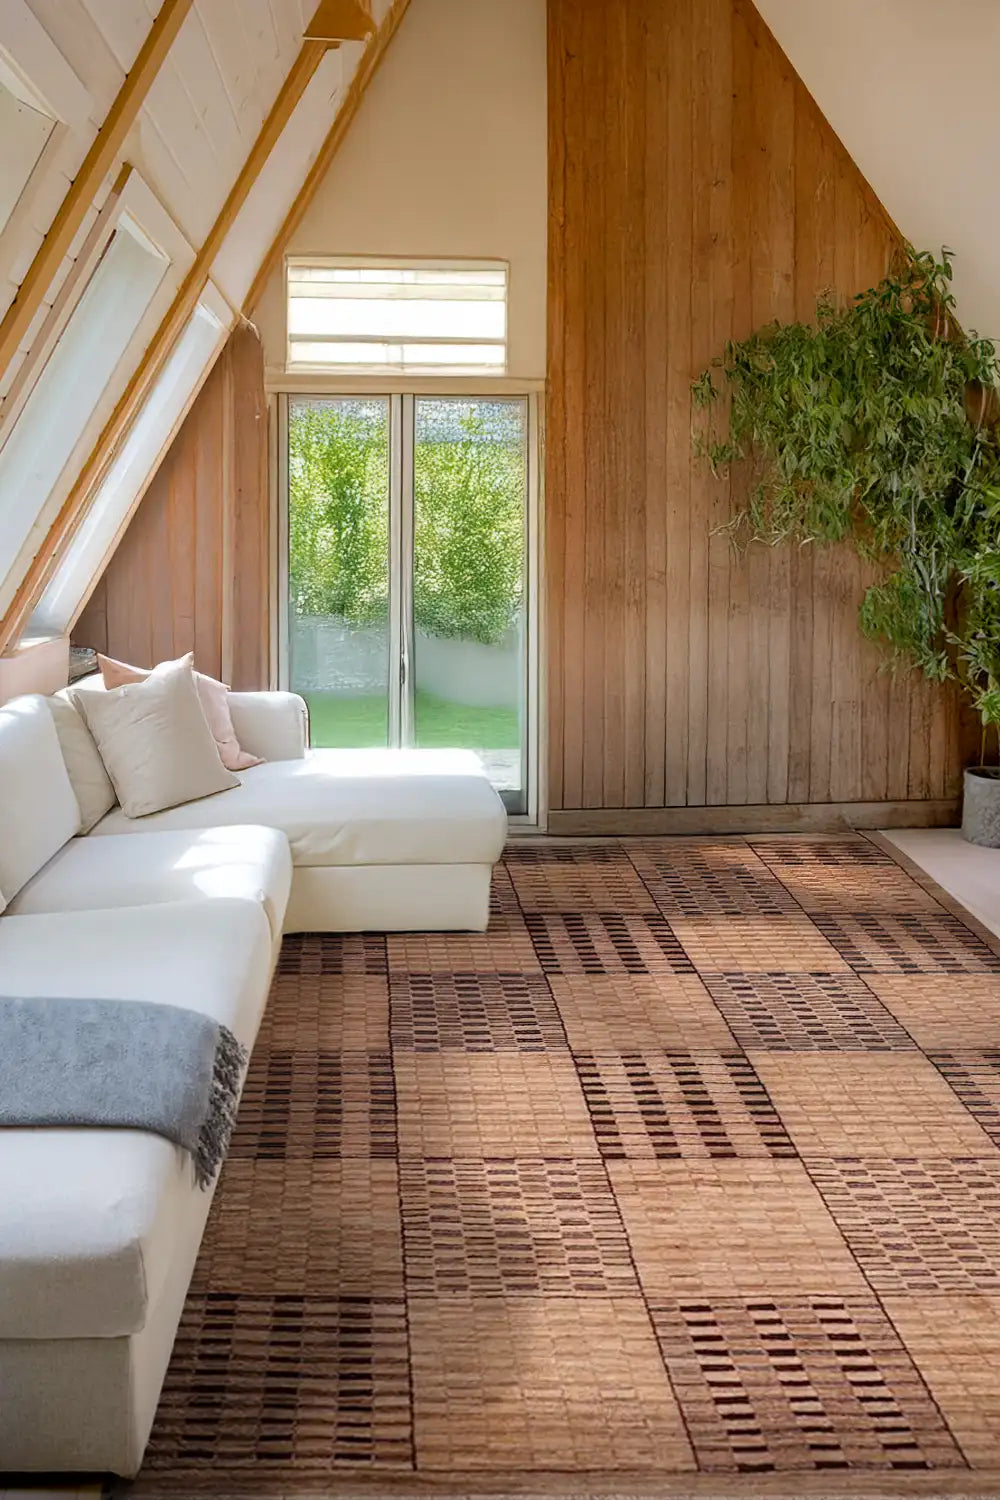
[{"x": 797, "y": 817}]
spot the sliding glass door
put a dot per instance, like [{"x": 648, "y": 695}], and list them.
[{"x": 407, "y": 574}]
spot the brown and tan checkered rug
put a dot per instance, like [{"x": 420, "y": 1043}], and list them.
[{"x": 685, "y": 1174}]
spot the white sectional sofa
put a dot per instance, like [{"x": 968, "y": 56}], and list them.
[
  {"x": 100, "y": 1229},
  {"x": 381, "y": 840}
]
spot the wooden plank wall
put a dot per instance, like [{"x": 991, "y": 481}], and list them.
[
  {"x": 696, "y": 193},
  {"x": 191, "y": 572}
]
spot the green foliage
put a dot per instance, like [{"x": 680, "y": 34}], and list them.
[
  {"x": 468, "y": 533},
  {"x": 468, "y": 516},
  {"x": 338, "y": 510},
  {"x": 870, "y": 425}
]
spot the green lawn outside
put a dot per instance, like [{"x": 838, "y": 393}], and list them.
[{"x": 357, "y": 723}]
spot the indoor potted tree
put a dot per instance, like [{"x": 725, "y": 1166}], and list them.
[{"x": 878, "y": 424}]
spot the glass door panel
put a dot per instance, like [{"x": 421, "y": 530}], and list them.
[
  {"x": 338, "y": 567},
  {"x": 470, "y": 505}
]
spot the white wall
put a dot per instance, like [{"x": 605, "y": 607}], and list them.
[
  {"x": 910, "y": 86},
  {"x": 447, "y": 157}
]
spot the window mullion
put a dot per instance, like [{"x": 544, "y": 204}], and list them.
[
  {"x": 396, "y": 633},
  {"x": 284, "y": 596},
  {"x": 406, "y": 572}
]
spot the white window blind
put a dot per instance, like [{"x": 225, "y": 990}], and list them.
[
  {"x": 382, "y": 318},
  {"x": 67, "y": 393}
]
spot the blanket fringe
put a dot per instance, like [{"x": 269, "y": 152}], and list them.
[{"x": 213, "y": 1141}]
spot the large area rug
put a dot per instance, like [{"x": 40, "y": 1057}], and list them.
[{"x": 683, "y": 1178}]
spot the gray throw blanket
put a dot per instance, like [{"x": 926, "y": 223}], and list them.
[{"x": 123, "y": 1065}]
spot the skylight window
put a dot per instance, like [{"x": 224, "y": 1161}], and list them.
[
  {"x": 66, "y": 395},
  {"x": 134, "y": 465},
  {"x": 380, "y": 317}
]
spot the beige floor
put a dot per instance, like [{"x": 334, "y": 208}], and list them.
[{"x": 966, "y": 871}]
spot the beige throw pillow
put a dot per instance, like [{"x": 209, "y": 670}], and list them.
[
  {"x": 214, "y": 697},
  {"x": 90, "y": 780},
  {"x": 155, "y": 741}
]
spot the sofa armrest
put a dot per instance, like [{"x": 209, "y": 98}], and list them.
[{"x": 274, "y": 726}]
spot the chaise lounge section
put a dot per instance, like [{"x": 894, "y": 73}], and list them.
[
  {"x": 381, "y": 840},
  {"x": 100, "y": 1229}
]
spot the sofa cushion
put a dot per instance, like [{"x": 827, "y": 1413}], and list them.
[
  {"x": 155, "y": 741},
  {"x": 38, "y": 807},
  {"x": 87, "y": 774},
  {"x": 268, "y": 725},
  {"x": 271, "y": 725},
  {"x": 86, "y": 874},
  {"x": 360, "y": 807},
  {"x": 92, "y": 1218}
]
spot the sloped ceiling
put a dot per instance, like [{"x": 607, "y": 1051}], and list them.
[
  {"x": 910, "y": 87},
  {"x": 196, "y": 134}
]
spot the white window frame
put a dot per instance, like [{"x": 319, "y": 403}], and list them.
[
  {"x": 146, "y": 214},
  {"x": 136, "y": 201},
  {"x": 395, "y": 377},
  {"x": 400, "y": 423}
]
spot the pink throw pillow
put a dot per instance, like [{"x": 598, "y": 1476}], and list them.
[{"x": 214, "y": 697}]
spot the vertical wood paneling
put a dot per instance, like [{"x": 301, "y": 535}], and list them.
[
  {"x": 654, "y": 373},
  {"x": 774, "y": 296},
  {"x": 697, "y": 193},
  {"x": 556, "y": 427},
  {"x": 162, "y": 593},
  {"x": 634, "y": 429},
  {"x": 677, "y": 495},
  {"x": 714, "y": 271},
  {"x": 576, "y": 332},
  {"x": 598, "y": 437},
  {"x": 747, "y": 671},
  {"x": 248, "y": 563},
  {"x": 609, "y": 549}
]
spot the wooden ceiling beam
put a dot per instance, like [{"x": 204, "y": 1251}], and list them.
[
  {"x": 116, "y": 429},
  {"x": 341, "y": 21},
  {"x": 99, "y": 161},
  {"x": 367, "y": 68}
]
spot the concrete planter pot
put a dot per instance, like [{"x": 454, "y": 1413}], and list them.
[{"x": 981, "y": 806}]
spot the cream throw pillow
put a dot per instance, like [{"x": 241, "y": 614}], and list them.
[
  {"x": 155, "y": 741},
  {"x": 90, "y": 780},
  {"x": 214, "y": 697}
]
